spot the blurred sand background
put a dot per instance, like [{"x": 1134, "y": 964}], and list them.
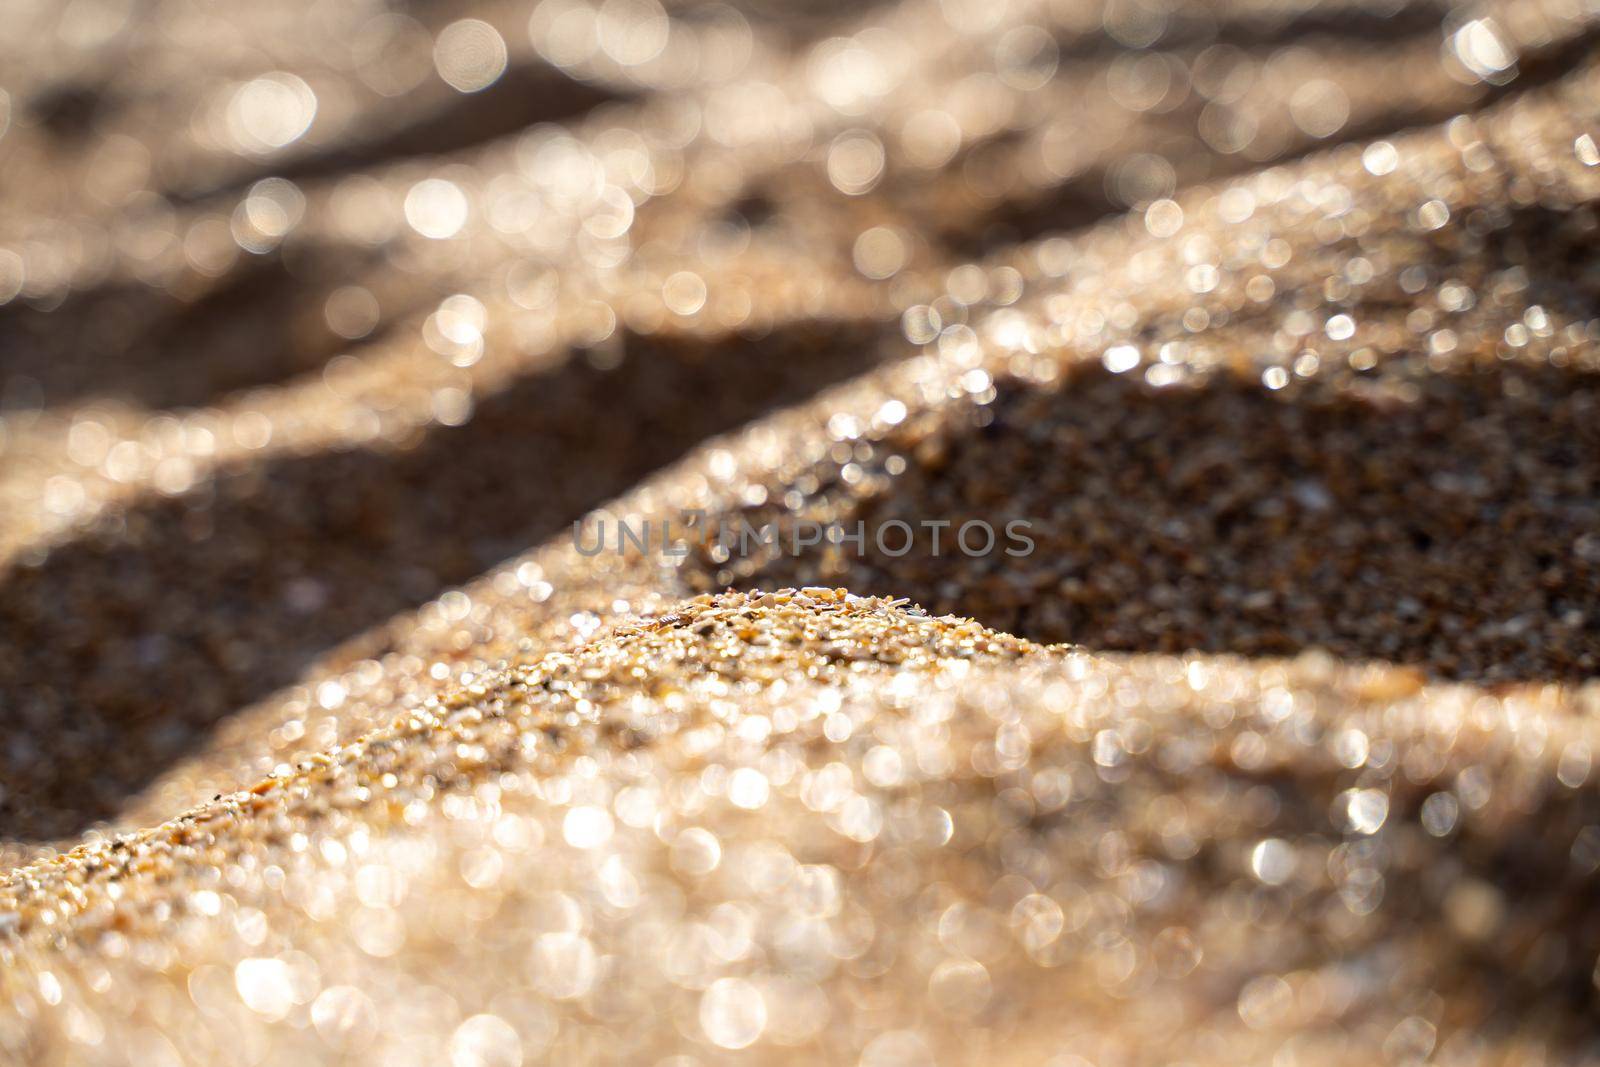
[{"x": 323, "y": 322}]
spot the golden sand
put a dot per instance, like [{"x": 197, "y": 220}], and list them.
[{"x": 1276, "y": 748}]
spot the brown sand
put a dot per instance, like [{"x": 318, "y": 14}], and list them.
[{"x": 1309, "y": 456}]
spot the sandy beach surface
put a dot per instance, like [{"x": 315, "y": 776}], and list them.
[{"x": 1262, "y": 339}]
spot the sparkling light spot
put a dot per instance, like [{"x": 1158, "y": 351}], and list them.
[
  {"x": 271, "y": 112},
  {"x": 436, "y": 208},
  {"x": 587, "y": 827},
  {"x": 732, "y": 1013},
  {"x": 485, "y": 1041},
  {"x": 469, "y": 55}
]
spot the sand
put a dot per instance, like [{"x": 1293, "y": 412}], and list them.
[{"x": 325, "y": 742}]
